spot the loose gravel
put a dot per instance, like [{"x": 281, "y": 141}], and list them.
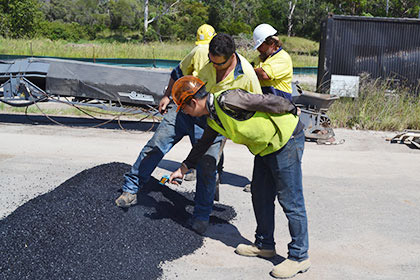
[{"x": 77, "y": 232}]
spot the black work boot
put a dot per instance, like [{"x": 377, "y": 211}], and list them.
[{"x": 199, "y": 226}]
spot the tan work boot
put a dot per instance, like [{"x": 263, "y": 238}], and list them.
[
  {"x": 126, "y": 200},
  {"x": 289, "y": 268},
  {"x": 253, "y": 251}
]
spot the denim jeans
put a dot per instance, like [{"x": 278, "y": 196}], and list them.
[
  {"x": 279, "y": 174},
  {"x": 171, "y": 130}
]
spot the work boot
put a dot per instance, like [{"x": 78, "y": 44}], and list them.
[
  {"x": 247, "y": 188},
  {"x": 191, "y": 175},
  {"x": 126, "y": 200},
  {"x": 289, "y": 268},
  {"x": 199, "y": 226},
  {"x": 254, "y": 251}
]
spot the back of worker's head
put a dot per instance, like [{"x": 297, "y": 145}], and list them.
[
  {"x": 204, "y": 34},
  {"x": 222, "y": 45},
  {"x": 187, "y": 88}
]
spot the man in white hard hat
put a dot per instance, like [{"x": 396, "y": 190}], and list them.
[{"x": 274, "y": 66}]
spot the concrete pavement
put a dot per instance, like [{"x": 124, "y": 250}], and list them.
[{"x": 362, "y": 198}]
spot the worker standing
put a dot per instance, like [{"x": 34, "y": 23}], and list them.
[
  {"x": 225, "y": 70},
  {"x": 273, "y": 66},
  {"x": 269, "y": 126},
  {"x": 191, "y": 64}
]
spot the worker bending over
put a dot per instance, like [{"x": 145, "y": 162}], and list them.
[
  {"x": 269, "y": 127},
  {"x": 171, "y": 130},
  {"x": 225, "y": 70}
]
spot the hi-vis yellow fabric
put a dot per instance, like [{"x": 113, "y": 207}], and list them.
[
  {"x": 263, "y": 133},
  {"x": 279, "y": 68}
]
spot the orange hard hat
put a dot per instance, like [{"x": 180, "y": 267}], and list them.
[{"x": 184, "y": 89}]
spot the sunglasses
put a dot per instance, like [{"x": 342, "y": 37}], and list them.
[{"x": 218, "y": 64}]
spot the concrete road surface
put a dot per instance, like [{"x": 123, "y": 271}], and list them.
[{"x": 362, "y": 198}]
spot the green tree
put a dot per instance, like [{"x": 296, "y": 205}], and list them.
[
  {"x": 183, "y": 22},
  {"x": 234, "y": 16},
  {"x": 123, "y": 14},
  {"x": 23, "y": 17},
  {"x": 63, "y": 10}
]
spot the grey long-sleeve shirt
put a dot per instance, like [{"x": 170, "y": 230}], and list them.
[{"x": 243, "y": 105}]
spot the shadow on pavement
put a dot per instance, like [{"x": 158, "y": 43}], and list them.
[{"x": 76, "y": 231}]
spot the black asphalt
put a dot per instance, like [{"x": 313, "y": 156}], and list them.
[{"x": 77, "y": 232}]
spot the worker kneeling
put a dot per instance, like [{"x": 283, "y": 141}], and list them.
[{"x": 269, "y": 127}]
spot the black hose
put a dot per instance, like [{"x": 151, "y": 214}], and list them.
[{"x": 25, "y": 104}]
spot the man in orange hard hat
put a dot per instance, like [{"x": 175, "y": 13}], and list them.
[{"x": 225, "y": 69}]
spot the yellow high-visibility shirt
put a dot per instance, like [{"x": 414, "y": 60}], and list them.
[
  {"x": 243, "y": 77},
  {"x": 263, "y": 133},
  {"x": 279, "y": 68},
  {"x": 192, "y": 63}
]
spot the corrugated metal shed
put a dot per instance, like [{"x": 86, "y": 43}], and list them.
[{"x": 386, "y": 48}]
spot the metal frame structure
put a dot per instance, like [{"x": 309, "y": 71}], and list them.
[
  {"x": 124, "y": 90},
  {"x": 408, "y": 137}
]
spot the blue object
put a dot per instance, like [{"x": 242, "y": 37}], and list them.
[
  {"x": 279, "y": 174},
  {"x": 165, "y": 178},
  {"x": 171, "y": 130}
]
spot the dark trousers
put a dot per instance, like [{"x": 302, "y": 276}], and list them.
[{"x": 280, "y": 174}]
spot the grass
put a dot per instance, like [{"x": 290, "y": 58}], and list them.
[
  {"x": 378, "y": 108},
  {"x": 97, "y": 49},
  {"x": 299, "y": 48}
]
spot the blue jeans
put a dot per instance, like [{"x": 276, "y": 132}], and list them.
[
  {"x": 279, "y": 174},
  {"x": 171, "y": 130}
]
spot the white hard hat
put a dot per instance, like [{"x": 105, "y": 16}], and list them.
[{"x": 261, "y": 32}]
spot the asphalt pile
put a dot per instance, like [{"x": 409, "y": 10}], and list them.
[{"x": 77, "y": 232}]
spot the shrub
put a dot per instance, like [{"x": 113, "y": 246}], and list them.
[
  {"x": 378, "y": 107},
  {"x": 57, "y": 30}
]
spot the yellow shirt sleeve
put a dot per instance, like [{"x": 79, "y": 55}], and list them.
[
  {"x": 195, "y": 60},
  {"x": 279, "y": 66}
]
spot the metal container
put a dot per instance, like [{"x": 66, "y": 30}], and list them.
[{"x": 387, "y": 48}]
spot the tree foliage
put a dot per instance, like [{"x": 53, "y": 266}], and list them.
[
  {"x": 21, "y": 18},
  {"x": 173, "y": 20}
]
